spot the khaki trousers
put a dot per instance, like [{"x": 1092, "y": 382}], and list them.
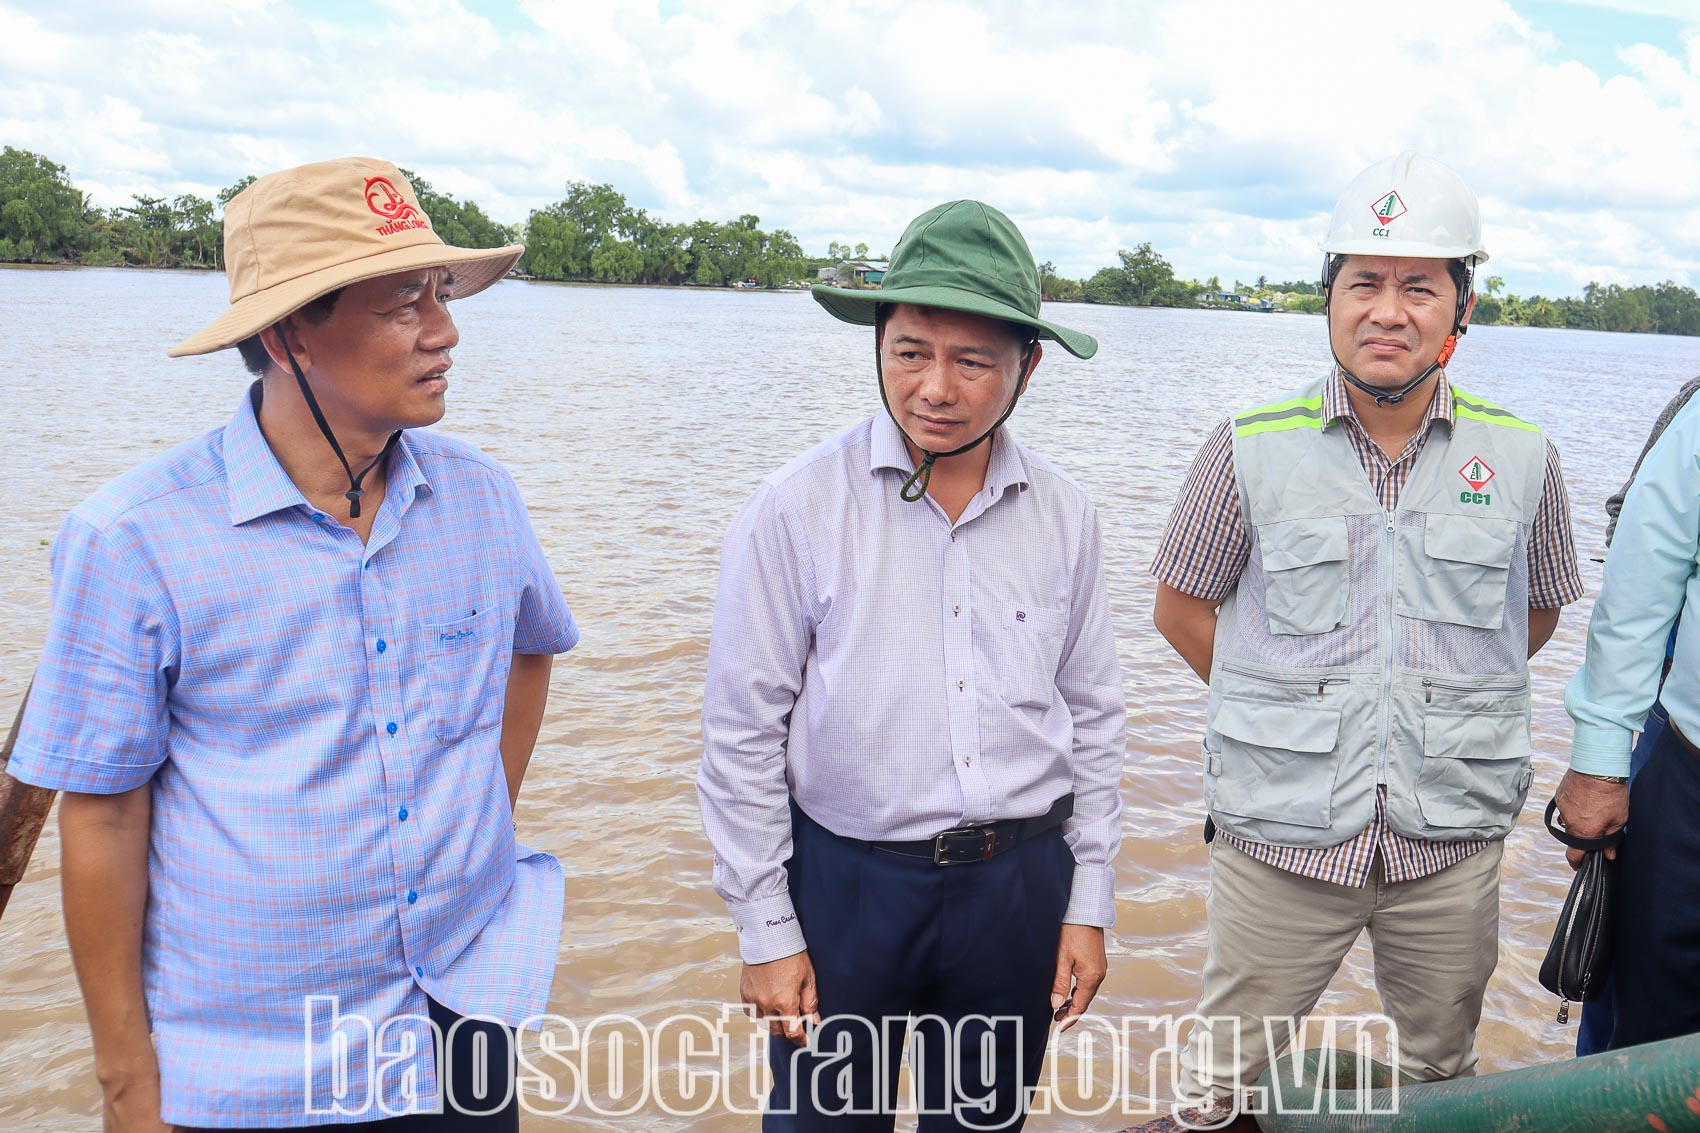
[{"x": 1276, "y": 940}]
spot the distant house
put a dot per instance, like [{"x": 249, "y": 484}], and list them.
[
  {"x": 1221, "y": 297},
  {"x": 858, "y": 273},
  {"x": 827, "y": 274}
]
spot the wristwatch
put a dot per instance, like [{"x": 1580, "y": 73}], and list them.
[{"x": 1606, "y": 778}]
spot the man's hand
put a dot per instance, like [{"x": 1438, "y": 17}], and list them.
[
  {"x": 1081, "y": 967},
  {"x": 1591, "y": 809},
  {"x": 783, "y": 992},
  {"x": 131, "y": 1104}
]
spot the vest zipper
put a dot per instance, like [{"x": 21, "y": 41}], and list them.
[
  {"x": 1430, "y": 684},
  {"x": 1321, "y": 683},
  {"x": 1390, "y": 648}
]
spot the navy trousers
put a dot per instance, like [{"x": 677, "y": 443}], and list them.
[
  {"x": 895, "y": 939},
  {"x": 1656, "y": 976}
]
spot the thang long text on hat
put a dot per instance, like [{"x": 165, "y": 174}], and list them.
[{"x": 293, "y": 236}]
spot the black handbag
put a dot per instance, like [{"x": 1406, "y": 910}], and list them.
[{"x": 1580, "y": 953}]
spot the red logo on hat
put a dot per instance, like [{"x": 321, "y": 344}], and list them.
[{"x": 384, "y": 200}]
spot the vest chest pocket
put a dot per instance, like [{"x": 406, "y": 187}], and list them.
[
  {"x": 1276, "y": 762},
  {"x": 1456, "y": 569},
  {"x": 1304, "y": 574},
  {"x": 466, "y": 673},
  {"x": 1475, "y": 773}
]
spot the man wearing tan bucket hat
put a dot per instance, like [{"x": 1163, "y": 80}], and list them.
[
  {"x": 914, "y": 726},
  {"x": 294, "y": 675}
]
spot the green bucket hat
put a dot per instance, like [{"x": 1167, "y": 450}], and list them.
[{"x": 962, "y": 256}]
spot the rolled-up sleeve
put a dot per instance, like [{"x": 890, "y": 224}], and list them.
[
  {"x": 1642, "y": 592},
  {"x": 1205, "y": 545},
  {"x": 543, "y": 623},
  {"x": 763, "y": 627},
  {"x": 97, "y": 721},
  {"x": 1554, "y": 579},
  {"x": 1090, "y": 680}
]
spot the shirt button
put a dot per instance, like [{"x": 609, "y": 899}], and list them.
[
  {"x": 390, "y": 727},
  {"x": 401, "y": 816},
  {"x": 381, "y": 645},
  {"x": 957, "y": 609},
  {"x": 961, "y": 686},
  {"x": 318, "y": 517},
  {"x": 412, "y": 896},
  {"x": 967, "y": 761},
  {"x": 418, "y": 971},
  {"x": 368, "y": 564}
]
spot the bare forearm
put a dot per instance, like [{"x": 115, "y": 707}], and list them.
[
  {"x": 1189, "y": 625},
  {"x": 522, "y": 715},
  {"x": 1542, "y": 623},
  {"x": 105, "y": 883}
]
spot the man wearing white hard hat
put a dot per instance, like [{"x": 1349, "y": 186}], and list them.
[
  {"x": 293, "y": 679},
  {"x": 1360, "y": 570}
]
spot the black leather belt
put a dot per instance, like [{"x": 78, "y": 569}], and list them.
[{"x": 982, "y": 843}]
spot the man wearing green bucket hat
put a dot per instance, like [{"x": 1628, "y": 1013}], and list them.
[{"x": 914, "y": 720}]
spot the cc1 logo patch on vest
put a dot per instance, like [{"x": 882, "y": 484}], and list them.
[{"x": 1476, "y": 473}]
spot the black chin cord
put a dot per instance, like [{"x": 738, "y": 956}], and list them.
[
  {"x": 916, "y": 486},
  {"x": 1382, "y": 397},
  {"x": 355, "y": 491}
]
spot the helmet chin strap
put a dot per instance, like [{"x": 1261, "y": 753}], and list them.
[
  {"x": 916, "y": 486},
  {"x": 1382, "y": 396}
]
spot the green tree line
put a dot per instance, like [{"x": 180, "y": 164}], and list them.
[
  {"x": 593, "y": 233},
  {"x": 1143, "y": 278},
  {"x": 590, "y": 234}
]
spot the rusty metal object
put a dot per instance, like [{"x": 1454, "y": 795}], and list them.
[{"x": 23, "y": 811}]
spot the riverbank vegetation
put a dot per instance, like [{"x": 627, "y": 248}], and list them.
[{"x": 594, "y": 234}]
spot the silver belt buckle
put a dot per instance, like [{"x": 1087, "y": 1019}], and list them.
[{"x": 984, "y": 834}]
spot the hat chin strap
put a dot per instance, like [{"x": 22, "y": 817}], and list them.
[
  {"x": 355, "y": 491},
  {"x": 916, "y": 486}
]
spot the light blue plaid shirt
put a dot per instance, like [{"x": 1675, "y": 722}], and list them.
[
  {"x": 899, "y": 674},
  {"x": 320, "y": 720}
]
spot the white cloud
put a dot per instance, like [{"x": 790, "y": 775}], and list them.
[{"x": 1219, "y": 132}]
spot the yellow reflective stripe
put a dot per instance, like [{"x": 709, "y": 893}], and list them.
[
  {"x": 1290, "y": 403},
  {"x": 1460, "y": 409},
  {"x": 1277, "y": 425}
]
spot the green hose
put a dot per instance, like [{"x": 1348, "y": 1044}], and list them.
[{"x": 1645, "y": 1088}]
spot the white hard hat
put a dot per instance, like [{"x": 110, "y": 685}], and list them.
[{"x": 1408, "y": 205}]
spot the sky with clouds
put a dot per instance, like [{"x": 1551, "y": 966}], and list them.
[{"x": 1219, "y": 132}]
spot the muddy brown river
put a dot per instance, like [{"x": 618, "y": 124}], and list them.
[{"x": 636, "y": 420}]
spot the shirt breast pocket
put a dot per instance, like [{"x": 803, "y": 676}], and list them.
[
  {"x": 1029, "y": 650},
  {"x": 466, "y": 674}
]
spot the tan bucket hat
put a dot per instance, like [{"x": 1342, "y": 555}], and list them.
[{"x": 290, "y": 237}]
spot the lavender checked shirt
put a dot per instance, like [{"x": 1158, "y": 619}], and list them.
[
  {"x": 899, "y": 675},
  {"x": 319, "y": 720}
]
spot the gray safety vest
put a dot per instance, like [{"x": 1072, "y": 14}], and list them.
[{"x": 1362, "y": 646}]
